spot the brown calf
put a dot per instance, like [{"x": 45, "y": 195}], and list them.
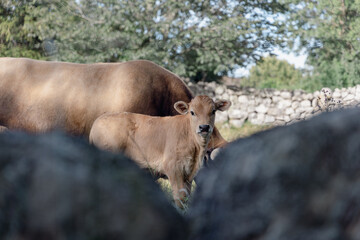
[{"x": 172, "y": 146}]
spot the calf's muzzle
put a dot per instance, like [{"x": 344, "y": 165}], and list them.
[{"x": 204, "y": 128}]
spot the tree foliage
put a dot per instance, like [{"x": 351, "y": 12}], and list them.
[
  {"x": 193, "y": 38},
  {"x": 274, "y": 73},
  {"x": 199, "y": 39},
  {"x": 329, "y": 31},
  {"x": 16, "y": 39}
]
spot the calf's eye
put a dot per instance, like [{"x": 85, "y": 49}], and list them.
[
  {"x": 192, "y": 113},
  {"x": 213, "y": 111}
]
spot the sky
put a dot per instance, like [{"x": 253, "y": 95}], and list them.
[{"x": 292, "y": 58}]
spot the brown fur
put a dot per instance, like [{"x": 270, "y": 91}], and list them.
[
  {"x": 171, "y": 146},
  {"x": 39, "y": 96}
]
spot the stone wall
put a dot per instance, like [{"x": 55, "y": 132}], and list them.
[{"x": 275, "y": 107}]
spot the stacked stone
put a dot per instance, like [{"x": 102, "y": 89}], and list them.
[{"x": 274, "y": 107}]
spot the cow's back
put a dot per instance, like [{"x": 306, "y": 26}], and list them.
[
  {"x": 38, "y": 96},
  {"x": 145, "y": 139}
]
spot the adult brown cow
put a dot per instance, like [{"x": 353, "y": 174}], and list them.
[
  {"x": 39, "y": 96},
  {"x": 172, "y": 146}
]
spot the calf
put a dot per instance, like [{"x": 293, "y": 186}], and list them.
[{"x": 171, "y": 146}]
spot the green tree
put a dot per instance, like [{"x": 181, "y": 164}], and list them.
[
  {"x": 329, "y": 31},
  {"x": 16, "y": 39},
  {"x": 274, "y": 73},
  {"x": 198, "y": 39}
]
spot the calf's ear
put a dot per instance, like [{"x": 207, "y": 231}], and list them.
[
  {"x": 222, "y": 105},
  {"x": 181, "y": 107}
]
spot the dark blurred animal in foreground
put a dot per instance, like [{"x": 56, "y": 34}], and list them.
[
  {"x": 171, "y": 146},
  {"x": 39, "y": 96},
  {"x": 54, "y": 187},
  {"x": 289, "y": 183}
]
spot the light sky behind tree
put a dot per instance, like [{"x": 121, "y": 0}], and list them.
[{"x": 291, "y": 57}]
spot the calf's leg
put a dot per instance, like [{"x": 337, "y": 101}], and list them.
[{"x": 180, "y": 191}]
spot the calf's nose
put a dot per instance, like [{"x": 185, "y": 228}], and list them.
[{"x": 204, "y": 128}]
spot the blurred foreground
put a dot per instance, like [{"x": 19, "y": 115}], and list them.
[{"x": 294, "y": 182}]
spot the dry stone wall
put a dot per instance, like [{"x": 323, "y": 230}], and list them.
[{"x": 275, "y": 107}]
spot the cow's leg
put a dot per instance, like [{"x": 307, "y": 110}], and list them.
[
  {"x": 3, "y": 129},
  {"x": 188, "y": 185},
  {"x": 180, "y": 192}
]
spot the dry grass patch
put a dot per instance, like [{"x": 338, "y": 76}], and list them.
[{"x": 230, "y": 133}]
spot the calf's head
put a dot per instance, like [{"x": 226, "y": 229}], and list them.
[{"x": 201, "y": 112}]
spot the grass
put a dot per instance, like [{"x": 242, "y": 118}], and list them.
[
  {"x": 166, "y": 187},
  {"x": 230, "y": 133}
]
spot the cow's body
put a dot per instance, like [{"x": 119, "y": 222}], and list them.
[
  {"x": 171, "y": 146},
  {"x": 39, "y": 96}
]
